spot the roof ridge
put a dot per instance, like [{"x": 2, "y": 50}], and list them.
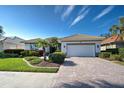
[{"x": 82, "y": 34}]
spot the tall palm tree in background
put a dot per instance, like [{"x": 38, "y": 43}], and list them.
[
  {"x": 118, "y": 29},
  {"x": 106, "y": 35},
  {"x": 114, "y": 30},
  {"x": 121, "y": 27},
  {"x": 1, "y": 31}
]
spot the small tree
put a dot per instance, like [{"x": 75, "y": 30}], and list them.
[
  {"x": 42, "y": 43},
  {"x": 53, "y": 42}
]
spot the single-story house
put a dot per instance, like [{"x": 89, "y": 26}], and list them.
[
  {"x": 31, "y": 45},
  {"x": 11, "y": 43},
  {"x": 112, "y": 42},
  {"x": 81, "y": 45}
]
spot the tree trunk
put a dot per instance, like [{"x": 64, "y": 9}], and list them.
[{"x": 44, "y": 53}]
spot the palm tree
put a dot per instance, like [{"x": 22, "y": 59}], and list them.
[
  {"x": 118, "y": 29},
  {"x": 1, "y": 31},
  {"x": 114, "y": 30},
  {"x": 106, "y": 35},
  {"x": 42, "y": 43},
  {"x": 121, "y": 27},
  {"x": 53, "y": 41}
]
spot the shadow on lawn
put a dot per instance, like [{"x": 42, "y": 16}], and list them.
[{"x": 93, "y": 84}]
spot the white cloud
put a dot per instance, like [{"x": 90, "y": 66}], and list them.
[
  {"x": 80, "y": 17},
  {"x": 83, "y": 9},
  {"x": 58, "y": 8},
  {"x": 104, "y": 12},
  {"x": 68, "y": 11}
]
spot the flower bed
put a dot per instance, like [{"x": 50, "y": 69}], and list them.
[{"x": 36, "y": 61}]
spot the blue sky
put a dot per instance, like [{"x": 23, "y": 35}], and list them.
[{"x": 47, "y": 21}]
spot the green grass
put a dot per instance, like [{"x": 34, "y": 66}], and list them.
[
  {"x": 17, "y": 64},
  {"x": 120, "y": 63},
  {"x": 34, "y": 60}
]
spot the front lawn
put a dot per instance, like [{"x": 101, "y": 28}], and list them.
[{"x": 17, "y": 64}]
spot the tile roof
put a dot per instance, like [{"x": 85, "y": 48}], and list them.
[
  {"x": 2, "y": 38},
  {"x": 30, "y": 41},
  {"x": 9, "y": 38},
  {"x": 114, "y": 38},
  {"x": 81, "y": 37}
]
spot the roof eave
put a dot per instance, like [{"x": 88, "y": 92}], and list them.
[{"x": 78, "y": 40}]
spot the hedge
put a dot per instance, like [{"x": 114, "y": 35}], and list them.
[
  {"x": 13, "y": 51},
  {"x": 121, "y": 52},
  {"x": 105, "y": 54},
  {"x": 8, "y": 55},
  {"x": 115, "y": 57},
  {"x": 23, "y": 52},
  {"x": 30, "y": 53}
]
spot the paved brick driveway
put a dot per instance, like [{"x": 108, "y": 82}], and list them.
[
  {"x": 89, "y": 72},
  {"x": 75, "y": 72}
]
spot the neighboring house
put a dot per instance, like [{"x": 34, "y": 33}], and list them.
[
  {"x": 112, "y": 42},
  {"x": 31, "y": 45},
  {"x": 11, "y": 43},
  {"x": 81, "y": 45}
]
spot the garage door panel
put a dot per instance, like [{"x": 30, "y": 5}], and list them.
[{"x": 80, "y": 50}]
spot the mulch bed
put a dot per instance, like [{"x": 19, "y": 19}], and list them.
[{"x": 48, "y": 64}]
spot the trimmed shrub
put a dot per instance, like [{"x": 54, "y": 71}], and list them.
[
  {"x": 115, "y": 57},
  {"x": 30, "y": 58},
  {"x": 57, "y": 57},
  {"x": 24, "y": 53},
  {"x": 34, "y": 60},
  {"x": 30, "y": 53},
  {"x": 121, "y": 52},
  {"x": 105, "y": 54},
  {"x": 2, "y": 54},
  {"x": 58, "y": 50},
  {"x": 33, "y": 53},
  {"x": 8, "y": 55},
  {"x": 13, "y": 51}
]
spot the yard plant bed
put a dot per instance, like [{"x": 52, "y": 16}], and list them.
[
  {"x": 48, "y": 64},
  {"x": 38, "y": 62},
  {"x": 17, "y": 64}
]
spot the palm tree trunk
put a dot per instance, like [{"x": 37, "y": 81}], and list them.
[{"x": 44, "y": 53}]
